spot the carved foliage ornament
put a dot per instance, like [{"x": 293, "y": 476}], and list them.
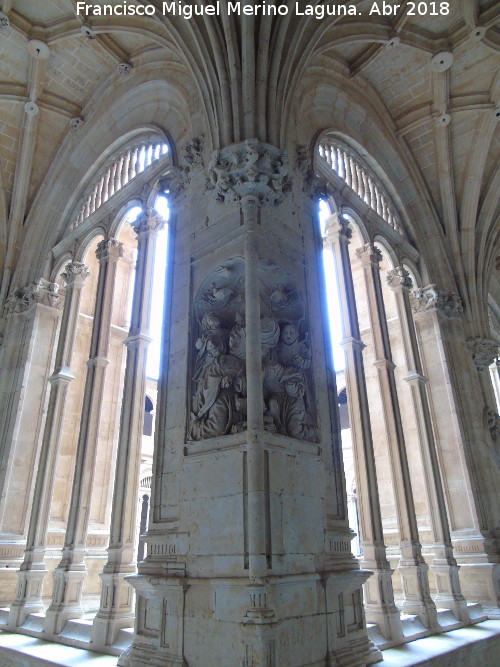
[
  {"x": 218, "y": 357},
  {"x": 483, "y": 351},
  {"x": 369, "y": 253},
  {"x": 429, "y": 298},
  {"x": 249, "y": 168},
  {"x": 75, "y": 273},
  {"x": 149, "y": 221},
  {"x": 42, "y": 292},
  {"x": 179, "y": 177},
  {"x": 109, "y": 249},
  {"x": 399, "y": 277}
]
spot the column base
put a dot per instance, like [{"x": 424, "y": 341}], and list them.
[
  {"x": 417, "y": 600},
  {"x": 481, "y": 583},
  {"x": 115, "y": 612},
  {"x": 66, "y": 603},
  {"x": 29, "y": 596},
  {"x": 380, "y": 607},
  {"x": 296, "y": 620},
  {"x": 449, "y": 595}
]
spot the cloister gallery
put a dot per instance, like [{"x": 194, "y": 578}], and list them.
[{"x": 262, "y": 500}]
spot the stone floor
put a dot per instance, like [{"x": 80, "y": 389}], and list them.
[{"x": 474, "y": 646}]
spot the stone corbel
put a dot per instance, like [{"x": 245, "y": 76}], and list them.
[
  {"x": 249, "y": 168},
  {"x": 447, "y": 304},
  {"x": 42, "y": 292},
  {"x": 483, "y": 351},
  {"x": 178, "y": 180},
  {"x": 313, "y": 186}
]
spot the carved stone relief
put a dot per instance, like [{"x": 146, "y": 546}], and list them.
[
  {"x": 218, "y": 391},
  {"x": 218, "y": 357},
  {"x": 289, "y": 404},
  {"x": 41, "y": 292},
  {"x": 432, "y": 299},
  {"x": 249, "y": 167}
]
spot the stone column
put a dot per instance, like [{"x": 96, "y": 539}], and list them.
[
  {"x": 32, "y": 572},
  {"x": 70, "y": 573},
  {"x": 413, "y": 569},
  {"x": 115, "y": 611},
  {"x": 32, "y": 318},
  {"x": 380, "y": 607},
  {"x": 444, "y": 565},
  {"x": 484, "y": 351},
  {"x": 248, "y": 545},
  {"x": 467, "y": 451}
]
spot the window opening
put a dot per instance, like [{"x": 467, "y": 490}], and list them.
[
  {"x": 360, "y": 178},
  {"x": 124, "y": 167}
]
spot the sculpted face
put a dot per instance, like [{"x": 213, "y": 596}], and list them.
[{"x": 289, "y": 334}]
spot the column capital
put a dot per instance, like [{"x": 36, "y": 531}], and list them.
[
  {"x": 109, "y": 249},
  {"x": 148, "y": 222},
  {"x": 431, "y": 299},
  {"x": 483, "y": 351},
  {"x": 75, "y": 274},
  {"x": 249, "y": 167},
  {"x": 398, "y": 278},
  {"x": 369, "y": 254},
  {"x": 338, "y": 226}
]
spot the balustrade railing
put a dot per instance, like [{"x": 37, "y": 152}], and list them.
[
  {"x": 125, "y": 166},
  {"x": 348, "y": 167}
]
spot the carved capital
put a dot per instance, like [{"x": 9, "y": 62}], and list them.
[
  {"x": 430, "y": 299},
  {"x": 149, "y": 221},
  {"x": 109, "y": 249},
  {"x": 483, "y": 351},
  {"x": 369, "y": 254},
  {"x": 337, "y": 225},
  {"x": 399, "y": 277},
  {"x": 247, "y": 168},
  {"x": 75, "y": 274}
]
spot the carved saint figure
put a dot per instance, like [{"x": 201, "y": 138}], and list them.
[
  {"x": 214, "y": 410},
  {"x": 285, "y": 386}
]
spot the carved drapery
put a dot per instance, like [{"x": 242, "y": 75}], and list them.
[{"x": 218, "y": 376}]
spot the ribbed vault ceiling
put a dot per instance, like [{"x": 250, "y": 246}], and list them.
[{"x": 246, "y": 72}]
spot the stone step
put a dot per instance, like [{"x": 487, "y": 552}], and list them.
[
  {"x": 412, "y": 626},
  {"x": 376, "y": 636},
  {"x": 447, "y": 620},
  {"x": 476, "y": 612},
  {"x": 78, "y": 630},
  {"x": 124, "y": 639},
  {"x": 34, "y": 623},
  {"x": 28, "y": 651},
  {"x": 4, "y": 616}
]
